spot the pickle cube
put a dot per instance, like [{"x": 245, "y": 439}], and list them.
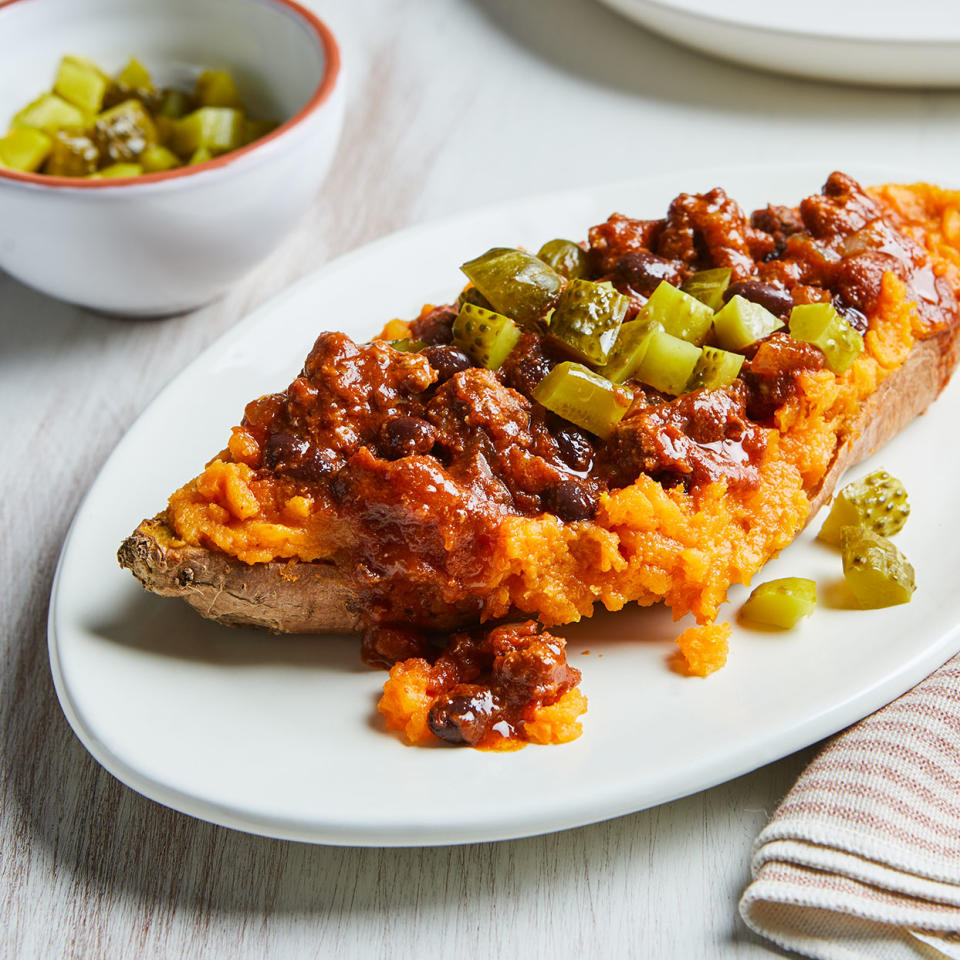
[
  {"x": 123, "y": 132},
  {"x": 217, "y": 129},
  {"x": 877, "y": 573},
  {"x": 678, "y": 313},
  {"x": 487, "y": 336},
  {"x": 821, "y": 325},
  {"x": 74, "y": 154},
  {"x": 407, "y": 345},
  {"x": 629, "y": 350},
  {"x": 587, "y": 319},
  {"x": 200, "y": 155},
  {"x": 742, "y": 322},
  {"x": 877, "y": 503},
  {"x": 135, "y": 76},
  {"x": 215, "y": 88},
  {"x": 781, "y": 603},
  {"x": 708, "y": 286},
  {"x": 49, "y": 113},
  {"x": 577, "y": 394},
  {"x": 566, "y": 257},
  {"x": 668, "y": 363},
  {"x": 117, "y": 170},
  {"x": 156, "y": 159},
  {"x": 715, "y": 369},
  {"x": 516, "y": 283},
  {"x": 82, "y": 83},
  {"x": 173, "y": 104},
  {"x": 255, "y": 129},
  {"x": 24, "y": 150}
]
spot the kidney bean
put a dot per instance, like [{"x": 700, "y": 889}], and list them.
[
  {"x": 407, "y": 436},
  {"x": 447, "y": 360},
  {"x": 643, "y": 271},
  {"x": 775, "y": 299},
  {"x": 570, "y": 501},
  {"x": 464, "y": 714}
]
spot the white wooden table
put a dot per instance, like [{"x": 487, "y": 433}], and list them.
[{"x": 452, "y": 105}]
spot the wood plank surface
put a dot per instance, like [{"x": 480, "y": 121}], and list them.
[{"x": 451, "y": 105}]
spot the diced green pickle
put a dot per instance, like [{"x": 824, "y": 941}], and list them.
[
  {"x": 715, "y": 369},
  {"x": 24, "y": 150},
  {"x": 821, "y": 325},
  {"x": 877, "y": 573},
  {"x": 215, "y": 88},
  {"x": 156, "y": 159},
  {"x": 174, "y": 104},
  {"x": 518, "y": 284},
  {"x": 577, "y": 394},
  {"x": 216, "y": 129},
  {"x": 877, "y": 503},
  {"x": 49, "y": 113},
  {"x": 679, "y": 314},
  {"x": 200, "y": 155},
  {"x": 629, "y": 350},
  {"x": 135, "y": 76},
  {"x": 566, "y": 257},
  {"x": 742, "y": 322},
  {"x": 708, "y": 286},
  {"x": 82, "y": 83},
  {"x": 117, "y": 170},
  {"x": 74, "y": 154},
  {"x": 781, "y": 603},
  {"x": 668, "y": 363},
  {"x": 407, "y": 345},
  {"x": 487, "y": 336},
  {"x": 473, "y": 295},
  {"x": 587, "y": 318},
  {"x": 255, "y": 129},
  {"x": 123, "y": 132}
]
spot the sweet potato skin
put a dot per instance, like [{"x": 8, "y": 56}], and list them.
[{"x": 298, "y": 597}]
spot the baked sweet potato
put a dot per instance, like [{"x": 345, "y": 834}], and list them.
[{"x": 396, "y": 486}]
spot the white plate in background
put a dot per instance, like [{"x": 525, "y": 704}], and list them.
[
  {"x": 881, "y": 42},
  {"x": 280, "y": 736}
]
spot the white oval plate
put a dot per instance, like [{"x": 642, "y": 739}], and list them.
[
  {"x": 878, "y": 42},
  {"x": 280, "y": 736}
]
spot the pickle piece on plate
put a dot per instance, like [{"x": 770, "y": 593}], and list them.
[
  {"x": 407, "y": 345},
  {"x": 781, "y": 603},
  {"x": 742, "y": 322},
  {"x": 821, "y": 325},
  {"x": 117, "y": 170},
  {"x": 173, "y": 104},
  {"x": 156, "y": 159},
  {"x": 877, "y": 503},
  {"x": 472, "y": 295},
  {"x": 82, "y": 83},
  {"x": 487, "y": 336},
  {"x": 678, "y": 313},
  {"x": 566, "y": 257},
  {"x": 135, "y": 76},
  {"x": 668, "y": 363},
  {"x": 708, "y": 286},
  {"x": 123, "y": 132},
  {"x": 576, "y": 393},
  {"x": 24, "y": 150},
  {"x": 587, "y": 319},
  {"x": 49, "y": 113},
  {"x": 629, "y": 350},
  {"x": 217, "y": 129},
  {"x": 215, "y": 88},
  {"x": 74, "y": 154},
  {"x": 715, "y": 369},
  {"x": 877, "y": 573},
  {"x": 517, "y": 284}
]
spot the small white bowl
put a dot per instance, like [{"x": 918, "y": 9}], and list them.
[{"x": 167, "y": 242}]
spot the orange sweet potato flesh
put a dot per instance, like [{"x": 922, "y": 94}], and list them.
[{"x": 646, "y": 543}]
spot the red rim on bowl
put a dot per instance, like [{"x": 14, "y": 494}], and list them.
[{"x": 331, "y": 71}]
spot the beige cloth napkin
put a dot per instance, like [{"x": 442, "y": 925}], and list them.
[{"x": 862, "y": 857}]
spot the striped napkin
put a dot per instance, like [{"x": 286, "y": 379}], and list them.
[{"x": 862, "y": 858}]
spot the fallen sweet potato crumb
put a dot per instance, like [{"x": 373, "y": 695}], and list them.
[
  {"x": 407, "y": 698},
  {"x": 704, "y": 649}
]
